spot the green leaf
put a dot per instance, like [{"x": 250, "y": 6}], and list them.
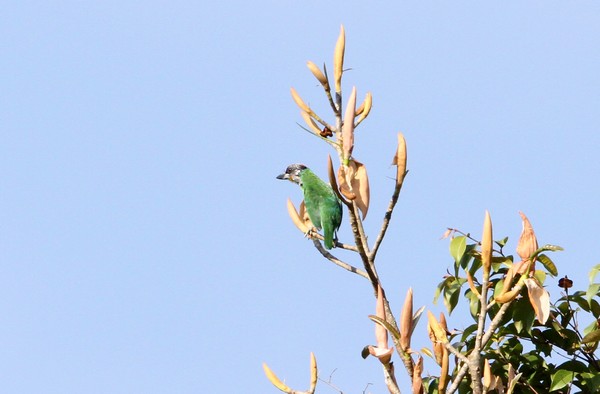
[
  {"x": 547, "y": 262},
  {"x": 442, "y": 286},
  {"x": 592, "y": 381},
  {"x": 540, "y": 276},
  {"x": 561, "y": 378},
  {"x": 427, "y": 352},
  {"x": 502, "y": 242},
  {"x": 458, "y": 245},
  {"x": 547, "y": 247},
  {"x": 452, "y": 293},
  {"x": 591, "y": 292},
  {"x": 593, "y": 336},
  {"x": 593, "y": 272}
]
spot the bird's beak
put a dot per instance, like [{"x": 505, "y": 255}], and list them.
[{"x": 283, "y": 176}]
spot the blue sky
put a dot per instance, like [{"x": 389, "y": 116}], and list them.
[{"x": 144, "y": 241}]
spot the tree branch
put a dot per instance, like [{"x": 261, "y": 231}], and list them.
[
  {"x": 386, "y": 219},
  {"x": 337, "y": 261}
]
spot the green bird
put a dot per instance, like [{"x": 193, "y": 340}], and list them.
[{"x": 323, "y": 206}]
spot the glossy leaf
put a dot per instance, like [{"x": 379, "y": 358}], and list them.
[
  {"x": 560, "y": 379},
  {"x": 591, "y": 292},
  {"x": 548, "y": 264},
  {"x": 593, "y": 272},
  {"x": 592, "y": 337},
  {"x": 458, "y": 245}
]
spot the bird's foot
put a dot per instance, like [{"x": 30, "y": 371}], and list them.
[{"x": 309, "y": 233}]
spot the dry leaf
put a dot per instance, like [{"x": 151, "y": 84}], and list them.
[
  {"x": 406, "y": 320},
  {"x": 488, "y": 378},
  {"x": 297, "y": 217},
  {"x": 344, "y": 187},
  {"x": 303, "y": 213},
  {"x": 338, "y": 59},
  {"x": 400, "y": 159},
  {"x": 360, "y": 186},
  {"x": 539, "y": 299},
  {"x": 348, "y": 128}
]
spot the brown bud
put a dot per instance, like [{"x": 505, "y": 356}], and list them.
[
  {"x": 348, "y": 128},
  {"x": 400, "y": 159},
  {"x": 527, "y": 242},
  {"x": 338, "y": 59},
  {"x": 365, "y": 108},
  {"x": 316, "y": 71},
  {"x": 406, "y": 321},
  {"x": 486, "y": 246}
]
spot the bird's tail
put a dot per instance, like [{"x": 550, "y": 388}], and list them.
[{"x": 328, "y": 235}]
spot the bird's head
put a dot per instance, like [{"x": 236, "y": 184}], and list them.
[{"x": 292, "y": 173}]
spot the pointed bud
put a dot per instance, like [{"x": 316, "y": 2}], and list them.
[
  {"x": 338, "y": 60},
  {"x": 406, "y": 321},
  {"x": 443, "y": 323},
  {"x": 380, "y": 332},
  {"x": 316, "y": 71},
  {"x": 486, "y": 247},
  {"x": 348, "y": 128},
  {"x": 365, "y": 108},
  {"x": 275, "y": 380},
  {"x": 417, "y": 380},
  {"x": 528, "y": 241},
  {"x": 381, "y": 351},
  {"x": 299, "y": 102},
  {"x": 444, "y": 372},
  {"x": 314, "y": 373},
  {"x": 310, "y": 122},
  {"x": 400, "y": 159}
]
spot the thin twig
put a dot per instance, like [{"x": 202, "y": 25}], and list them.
[
  {"x": 455, "y": 351},
  {"x": 337, "y": 261},
  {"x": 386, "y": 219}
]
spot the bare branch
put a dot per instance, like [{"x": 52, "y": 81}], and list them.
[
  {"x": 337, "y": 261},
  {"x": 386, "y": 219}
]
